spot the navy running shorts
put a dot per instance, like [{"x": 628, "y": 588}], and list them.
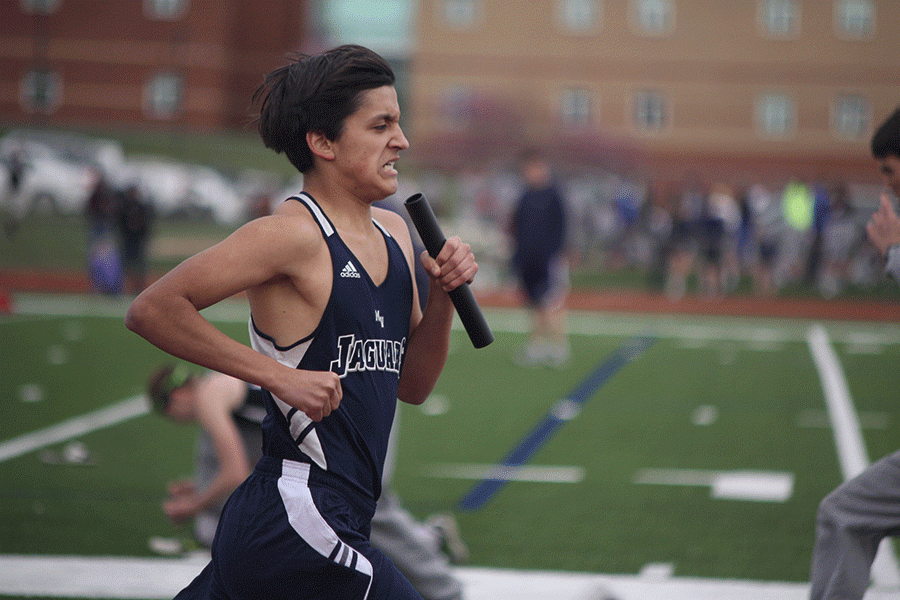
[{"x": 282, "y": 537}]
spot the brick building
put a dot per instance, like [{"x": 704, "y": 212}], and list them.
[
  {"x": 767, "y": 87},
  {"x": 191, "y": 64},
  {"x": 744, "y": 87}
]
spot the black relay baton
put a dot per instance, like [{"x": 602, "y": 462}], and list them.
[{"x": 466, "y": 307}]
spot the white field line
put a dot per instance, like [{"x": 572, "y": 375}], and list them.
[
  {"x": 847, "y": 432},
  {"x": 105, "y": 417},
  {"x": 530, "y": 473},
  {"x": 848, "y": 438},
  {"x": 749, "y": 485},
  {"x": 152, "y": 578},
  {"x": 757, "y": 333}
]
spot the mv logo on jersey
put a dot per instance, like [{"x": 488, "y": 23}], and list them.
[
  {"x": 355, "y": 355},
  {"x": 349, "y": 270}
]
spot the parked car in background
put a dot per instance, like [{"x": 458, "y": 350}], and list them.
[
  {"x": 212, "y": 193},
  {"x": 49, "y": 184},
  {"x": 77, "y": 148},
  {"x": 61, "y": 169},
  {"x": 179, "y": 189},
  {"x": 58, "y": 170}
]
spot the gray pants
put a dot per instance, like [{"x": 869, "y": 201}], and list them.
[
  {"x": 414, "y": 548},
  {"x": 851, "y": 522}
]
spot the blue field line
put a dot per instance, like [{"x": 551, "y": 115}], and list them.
[{"x": 562, "y": 411}]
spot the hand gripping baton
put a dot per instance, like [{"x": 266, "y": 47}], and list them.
[{"x": 466, "y": 307}]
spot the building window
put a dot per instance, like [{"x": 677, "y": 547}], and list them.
[
  {"x": 579, "y": 16},
  {"x": 779, "y": 18},
  {"x": 40, "y": 7},
  {"x": 653, "y": 17},
  {"x": 41, "y": 91},
  {"x": 651, "y": 111},
  {"x": 165, "y": 10},
  {"x": 851, "y": 116},
  {"x": 575, "y": 107},
  {"x": 462, "y": 15},
  {"x": 163, "y": 96},
  {"x": 776, "y": 115},
  {"x": 854, "y": 19}
]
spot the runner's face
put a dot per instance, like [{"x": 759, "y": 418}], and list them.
[
  {"x": 889, "y": 166},
  {"x": 369, "y": 144}
]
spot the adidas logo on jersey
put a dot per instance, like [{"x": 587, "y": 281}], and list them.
[{"x": 349, "y": 271}]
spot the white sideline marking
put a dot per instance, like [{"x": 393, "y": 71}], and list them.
[
  {"x": 657, "y": 571},
  {"x": 756, "y": 332},
  {"x": 754, "y": 485},
  {"x": 848, "y": 438},
  {"x": 760, "y": 486},
  {"x": 532, "y": 473},
  {"x": 105, "y": 417},
  {"x": 158, "y": 578},
  {"x": 847, "y": 431},
  {"x": 163, "y": 578}
]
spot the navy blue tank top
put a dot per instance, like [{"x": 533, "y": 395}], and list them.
[{"x": 362, "y": 337}]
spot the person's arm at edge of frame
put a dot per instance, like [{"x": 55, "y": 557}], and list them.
[
  {"x": 429, "y": 340},
  {"x": 167, "y": 313},
  {"x": 883, "y": 230}
]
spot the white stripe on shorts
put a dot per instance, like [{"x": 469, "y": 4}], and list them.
[{"x": 304, "y": 517}]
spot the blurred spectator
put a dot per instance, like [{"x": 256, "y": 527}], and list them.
[
  {"x": 100, "y": 210},
  {"x": 767, "y": 225},
  {"x": 16, "y": 165},
  {"x": 727, "y": 207},
  {"x": 135, "y": 219},
  {"x": 105, "y": 266},
  {"x": 659, "y": 224},
  {"x": 797, "y": 202},
  {"x": 840, "y": 237},
  {"x": 686, "y": 232},
  {"x": 719, "y": 230},
  {"x": 745, "y": 249},
  {"x": 539, "y": 229},
  {"x": 654, "y": 233},
  {"x": 821, "y": 210},
  {"x": 627, "y": 200},
  {"x": 104, "y": 255}
]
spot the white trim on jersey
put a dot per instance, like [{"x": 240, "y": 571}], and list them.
[
  {"x": 317, "y": 212},
  {"x": 382, "y": 228},
  {"x": 310, "y": 445},
  {"x": 308, "y": 522}
]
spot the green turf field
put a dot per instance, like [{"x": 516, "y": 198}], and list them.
[{"x": 710, "y": 400}]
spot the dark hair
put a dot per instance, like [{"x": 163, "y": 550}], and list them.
[
  {"x": 163, "y": 382},
  {"x": 315, "y": 93},
  {"x": 886, "y": 140}
]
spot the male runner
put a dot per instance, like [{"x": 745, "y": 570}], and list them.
[{"x": 337, "y": 332}]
